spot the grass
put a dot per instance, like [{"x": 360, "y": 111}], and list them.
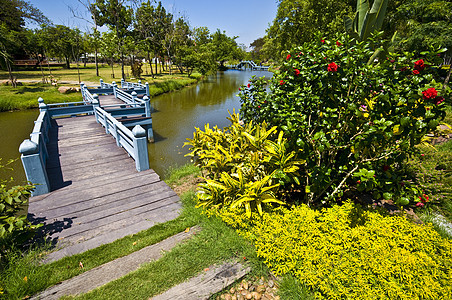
[
  {"x": 21, "y": 275},
  {"x": 26, "y": 96},
  {"x": 433, "y": 173}
]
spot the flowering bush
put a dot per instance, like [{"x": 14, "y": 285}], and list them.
[{"x": 355, "y": 118}]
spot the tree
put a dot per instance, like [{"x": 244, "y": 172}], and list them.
[
  {"x": 256, "y": 51},
  {"x": 93, "y": 21},
  {"x": 108, "y": 48},
  {"x": 297, "y": 21},
  {"x": 61, "y": 42},
  {"x": 118, "y": 17},
  {"x": 225, "y": 48},
  {"x": 13, "y": 14},
  {"x": 422, "y": 24},
  {"x": 152, "y": 23}
]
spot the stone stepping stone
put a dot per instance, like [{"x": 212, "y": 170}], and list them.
[
  {"x": 113, "y": 270},
  {"x": 209, "y": 282}
]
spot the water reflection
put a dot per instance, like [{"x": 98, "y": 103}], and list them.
[
  {"x": 179, "y": 112},
  {"x": 14, "y": 128}
]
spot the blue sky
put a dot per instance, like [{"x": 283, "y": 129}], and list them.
[{"x": 247, "y": 19}]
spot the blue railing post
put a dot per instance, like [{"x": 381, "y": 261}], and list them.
[
  {"x": 101, "y": 83},
  {"x": 147, "y": 89},
  {"x": 34, "y": 167},
  {"x": 134, "y": 97},
  {"x": 114, "y": 88},
  {"x": 42, "y": 106},
  {"x": 95, "y": 105},
  {"x": 147, "y": 109},
  {"x": 122, "y": 82},
  {"x": 141, "y": 148}
]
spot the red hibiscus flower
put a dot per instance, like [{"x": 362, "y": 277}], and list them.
[
  {"x": 288, "y": 57},
  {"x": 415, "y": 72},
  {"x": 419, "y": 204},
  {"x": 249, "y": 85},
  {"x": 332, "y": 67},
  {"x": 430, "y": 93},
  {"x": 439, "y": 100},
  {"x": 419, "y": 65},
  {"x": 338, "y": 43},
  {"x": 297, "y": 72},
  {"x": 281, "y": 82},
  {"x": 240, "y": 89},
  {"x": 323, "y": 41}
]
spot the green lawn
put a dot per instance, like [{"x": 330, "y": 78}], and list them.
[{"x": 26, "y": 95}]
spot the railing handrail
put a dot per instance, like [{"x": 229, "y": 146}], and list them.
[
  {"x": 34, "y": 154},
  {"x": 133, "y": 141}
]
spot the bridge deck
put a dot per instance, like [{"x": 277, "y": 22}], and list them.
[{"x": 97, "y": 194}]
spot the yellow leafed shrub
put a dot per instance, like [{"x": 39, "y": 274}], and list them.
[{"x": 345, "y": 252}]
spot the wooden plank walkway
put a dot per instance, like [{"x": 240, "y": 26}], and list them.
[{"x": 97, "y": 194}]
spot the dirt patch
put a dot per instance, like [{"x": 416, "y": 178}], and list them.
[{"x": 188, "y": 183}]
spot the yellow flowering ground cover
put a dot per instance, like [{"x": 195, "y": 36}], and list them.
[{"x": 345, "y": 252}]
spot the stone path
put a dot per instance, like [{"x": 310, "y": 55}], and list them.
[
  {"x": 113, "y": 270},
  {"x": 212, "y": 281}
]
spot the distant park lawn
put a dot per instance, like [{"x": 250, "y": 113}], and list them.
[{"x": 31, "y": 87}]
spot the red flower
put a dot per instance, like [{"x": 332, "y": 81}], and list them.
[
  {"x": 430, "y": 93},
  {"x": 419, "y": 65},
  {"x": 249, "y": 85},
  {"x": 323, "y": 41},
  {"x": 281, "y": 82},
  {"x": 338, "y": 43},
  {"x": 258, "y": 106},
  {"x": 297, "y": 72},
  {"x": 415, "y": 72},
  {"x": 419, "y": 204},
  {"x": 358, "y": 182},
  {"x": 332, "y": 67},
  {"x": 240, "y": 89},
  {"x": 288, "y": 57},
  {"x": 439, "y": 100}
]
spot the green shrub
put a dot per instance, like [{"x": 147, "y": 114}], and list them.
[
  {"x": 345, "y": 252},
  {"x": 354, "y": 118},
  {"x": 12, "y": 223},
  {"x": 243, "y": 166}
]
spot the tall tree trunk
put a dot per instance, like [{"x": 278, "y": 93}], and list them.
[
  {"x": 68, "y": 63},
  {"x": 122, "y": 66},
  {"x": 156, "y": 65},
  {"x": 150, "y": 64},
  {"x": 10, "y": 72},
  {"x": 95, "y": 61},
  {"x": 112, "y": 70}
]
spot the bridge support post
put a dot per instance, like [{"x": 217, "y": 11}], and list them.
[
  {"x": 147, "y": 109},
  {"x": 101, "y": 83},
  {"x": 95, "y": 105},
  {"x": 122, "y": 82},
  {"x": 115, "y": 86},
  {"x": 141, "y": 148},
  {"x": 34, "y": 167},
  {"x": 147, "y": 89},
  {"x": 134, "y": 97}
]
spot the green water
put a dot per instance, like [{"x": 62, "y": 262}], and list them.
[{"x": 174, "y": 118}]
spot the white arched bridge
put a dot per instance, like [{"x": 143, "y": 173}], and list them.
[{"x": 244, "y": 64}]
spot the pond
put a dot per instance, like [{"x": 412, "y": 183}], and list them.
[{"x": 174, "y": 117}]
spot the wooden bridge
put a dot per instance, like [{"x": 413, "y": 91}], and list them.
[
  {"x": 88, "y": 190},
  {"x": 250, "y": 64}
]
